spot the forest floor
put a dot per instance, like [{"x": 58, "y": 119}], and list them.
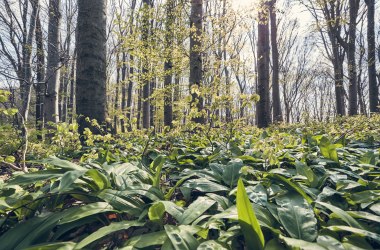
[{"x": 301, "y": 186}]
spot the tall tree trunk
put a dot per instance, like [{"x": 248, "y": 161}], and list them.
[
  {"x": 196, "y": 75},
  {"x": 145, "y": 69},
  {"x": 71, "y": 105},
  {"x": 263, "y": 105},
  {"x": 277, "y": 113},
  {"x": 168, "y": 66},
  {"x": 91, "y": 85},
  {"x": 53, "y": 60},
  {"x": 27, "y": 41},
  {"x": 373, "y": 88},
  {"x": 352, "y": 73},
  {"x": 40, "y": 85},
  {"x": 116, "y": 104},
  {"x": 130, "y": 92}
]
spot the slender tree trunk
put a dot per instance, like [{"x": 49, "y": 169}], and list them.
[
  {"x": 352, "y": 73},
  {"x": 373, "y": 88},
  {"x": 53, "y": 60},
  {"x": 130, "y": 90},
  {"x": 116, "y": 104},
  {"x": 168, "y": 66},
  {"x": 277, "y": 113},
  {"x": 145, "y": 69},
  {"x": 196, "y": 75},
  {"x": 91, "y": 98},
  {"x": 71, "y": 105},
  {"x": 40, "y": 85},
  {"x": 263, "y": 105}
]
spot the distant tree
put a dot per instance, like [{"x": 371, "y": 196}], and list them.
[
  {"x": 53, "y": 63},
  {"x": 91, "y": 99},
  {"x": 40, "y": 76},
  {"x": 168, "y": 65},
  {"x": 145, "y": 26},
  {"x": 277, "y": 113},
  {"x": 373, "y": 87},
  {"x": 263, "y": 50},
  {"x": 196, "y": 75}
]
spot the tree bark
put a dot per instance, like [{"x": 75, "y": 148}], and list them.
[
  {"x": 91, "y": 98},
  {"x": 40, "y": 85},
  {"x": 263, "y": 105},
  {"x": 352, "y": 71},
  {"x": 196, "y": 74},
  {"x": 277, "y": 113},
  {"x": 168, "y": 66},
  {"x": 145, "y": 70},
  {"x": 52, "y": 75},
  {"x": 373, "y": 88}
]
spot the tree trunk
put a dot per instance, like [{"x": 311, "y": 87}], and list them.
[
  {"x": 373, "y": 88},
  {"x": 40, "y": 84},
  {"x": 352, "y": 73},
  {"x": 263, "y": 105},
  {"x": 91, "y": 98},
  {"x": 53, "y": 60},
  {"x": 168, "y": 66},
  {"x": 196, "y": 75},
  {"x": 277, "y": 113},
  {"x": 145, "y": 69}
]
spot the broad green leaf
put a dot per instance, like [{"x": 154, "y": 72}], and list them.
[
  {"x": 196, "y": 209},
  {"x": 32, "y": 178},
  {"x": 181, "y": 238},
  {"x": 274, "y": 244},
  {"x": 343, "y": 215},
  {"x": 146, "y": 240},
  {"x": 156, "y": 212},
  {"x": 68, "y": 179},
  {"x": 290, "y": 185},
  {"x": 296, "y": 244},
  {"x": 211, "y": 245},
  {"x": 122, "y": 202},
  {"x": 231, "y": 172},
  {"x": 156, "y": 166},
  {"x": 67, "y": 165},
  {"x": 104, "y": 231},
  {"x": 87, "y": 210},
  {"x": 328, "y": 150},
  {"x": 100, "y": 180},
  {"x": 204, "y": 185},
  {"x": 297, "y": 216},
  {"x": 306, "y": 171},
  {"x": 329, "y": 242},
  {"x": 362, "y": 232},
  {"x": 250, "y": 227},
  {"x": 54, "y": 246}
]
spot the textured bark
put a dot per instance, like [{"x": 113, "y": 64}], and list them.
[
  {"x": 53, "y": 60},
  {"x": 91, "y": 98},
  {"x": 277, "y": 113},
  {"x": 352, "y": 71},
  {"x": 116, "y": 103},
  {"x": 168, "y": 66},
  {"x": 373, "y": 88},
  {"x": 40, "y": 85},
  {"x": 263, "y": 105},
  {"x": 145, "y": 70},
  {"x": 196, "y": 74}
]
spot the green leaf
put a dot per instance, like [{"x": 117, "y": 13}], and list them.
[
  {"x": 296, "y": 244},
  {"x": 156, "y": 166},
  {"x": 328, "y": 150},
  {"x": 104, "y": 231},
  {"x": 306, "y": 171},
  {"x": 156, "y": 212},
  {"x": 290, "y": 185},
  {"x": 100, "y": 180},
  {"x": 146, "y": 240},
  {"x": 253, "y": 235},
  {"x": 122, "y": 202},
  {"x": 54, "y": 246},
  {"x": 297, "y": 216},
  {"x": 204, "y": 185},
  {"x": 362, "y": 232},
  {"x": 341, "y": 214},
  {"x": 231, "y": 172},
  {"x": 10, "y": 159},
  {"x": 67, "y": 165},
  {"x": 87, "y": 210},
  {"x": 196, "y": 209},
  {"x": 68, "y": 179},
  {"x": 181, "y": 238},
  {"x": 211, "y": 245},
  {"x": 32, "y": 178}
]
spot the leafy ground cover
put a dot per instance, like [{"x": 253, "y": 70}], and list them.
[{"x": 311, "y": 186}]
